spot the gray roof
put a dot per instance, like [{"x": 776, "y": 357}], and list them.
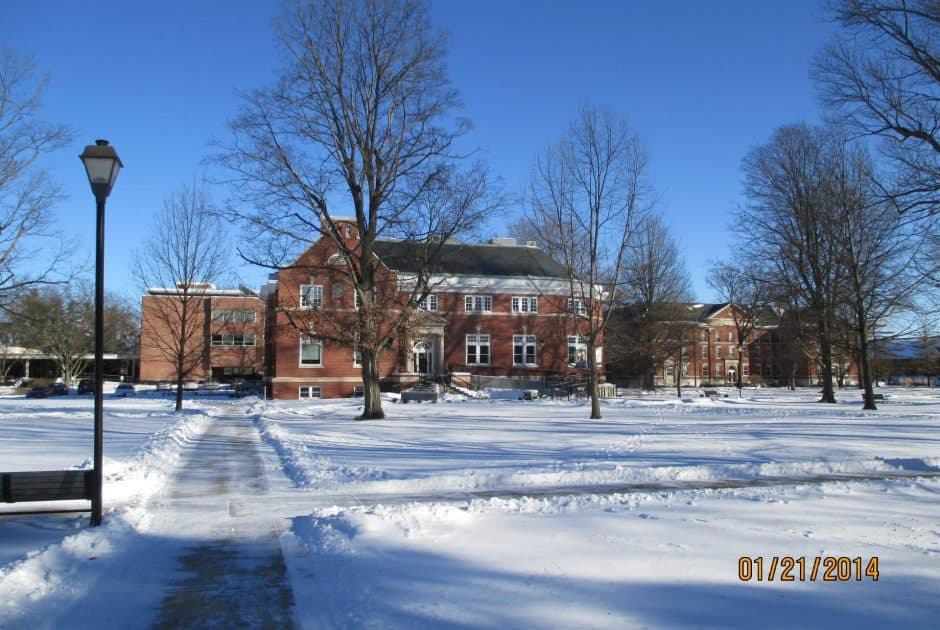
[
  {"x": 473, "y": 260},
  {"x": 683, "y": 311}
]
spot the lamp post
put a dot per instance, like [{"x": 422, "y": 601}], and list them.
[{"x": 102, "y": 165}]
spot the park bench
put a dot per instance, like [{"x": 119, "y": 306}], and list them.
[
  {"x": 880, "y": 397},
  {"x": 710, "y": 393},
  {"x": 46, "y": 485}
]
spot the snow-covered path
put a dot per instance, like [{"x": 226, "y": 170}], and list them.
[{"x": 232, "y": 573}]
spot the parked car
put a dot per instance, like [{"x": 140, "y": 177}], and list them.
[
  {"x": 86, "y": 386},
  {"x": 57, "y": 389},
  {"x": 44, "y": 391},
  {"x": 247, "y": 388},
  {"x": 124, "y": 390},
  {"x": 190, "y": 386},
  {"x": 165, "y": 386},
  {"x": 40, "y": 391}
]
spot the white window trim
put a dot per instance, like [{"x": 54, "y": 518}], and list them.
[
  {"x": 478, "y": 342},
  {"x": 576, "y": 306},
  {"x": 485, "y": 303},
  {"x": 429, "y": 303},
  {"x": 300, "y": 356},
  {"x": 525, "y": 305},
  {"x": 231, "y": 340},
  {"x": 525, "y": 341},
  {"x": 316, "y": 290},
  {"x": 310, "y": 389},
  {"x": 578, "y": 342},
  {"x": 233, "y": 315}
]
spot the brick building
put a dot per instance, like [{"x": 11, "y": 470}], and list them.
[
  {"x": 226, "y": 339},
  {"x": 494, "y": 310},
  {"x": 703, "y": 349}
]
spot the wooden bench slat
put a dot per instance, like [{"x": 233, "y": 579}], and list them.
[{"x": 46, "y": 485}]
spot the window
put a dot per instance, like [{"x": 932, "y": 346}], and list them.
[
  {"x": 704, "y": 335},
  {"x": 359, "y": 391},
  {"x": 311, "y": 296},
  {"x": 730, "y": 337},
  {"x": 525, "y": 305},
  {"x": 309, "y": 392},
  {"x": 719, "y": 369},
  {"x": 357, "y": 357},
  {"x": 704, "y": 352},
  {"x": 311, "y": 351},
  {"x": 717, "y": 352},
  {"x": 429, "y": 303},
  {"x": 232, "y": 339},
  {"x": 705, "y": 370},
  {"x": 357, "y": 301},
  {"x": 478, "y": 349},
  {"x": 478, "y": 303},
  {"x": 744, "y": 370},
  {"x": 717, "y": 336},
  {"x": 577, "y": 307},
  {"x": 523, "y": 350},
  {"x": 233, "y": 315},
  {"x": 577, "y": 352}
]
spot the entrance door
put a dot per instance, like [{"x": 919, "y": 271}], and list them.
[
  {"x": 423, "y": 357},
  {"x": 732, "y": 375}
]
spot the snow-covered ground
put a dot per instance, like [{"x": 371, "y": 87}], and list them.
[{"x": 495, "y": 512}]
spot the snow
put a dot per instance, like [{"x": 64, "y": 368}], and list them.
[{"x": 489, "y": 511}]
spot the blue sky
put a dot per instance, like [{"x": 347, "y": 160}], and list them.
[{"x": 702, "y": 83}]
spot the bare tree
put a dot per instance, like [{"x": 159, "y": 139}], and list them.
[
  {"x": 747, "y": 295},
  {"x": 589, "y": 193},
  {"x": 878, "y": 255},
  {"x": 363, "y": 119},
  {"x": 186, "y": 250},
  {"x": 788, "y": 223},
  {"x": 883, "y": 78},
  {"x": 121, "y": 325},
  {"x": 31, "y": 250},
  {"x": 652, "y": 325},
  {"x": 60, "y": 322}
]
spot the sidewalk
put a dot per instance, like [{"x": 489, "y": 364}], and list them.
[{"x": 233, "y": 575}]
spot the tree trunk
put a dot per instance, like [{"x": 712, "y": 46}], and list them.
[
  {"x": 372, "y": 399},
  {"x": 677, "y": 373},
  {"x": 179, "y": 395},
  {"x": 595, "y": 390},
  {"x": 865, "y": 366},
  {"x": 825, "y": 350}
]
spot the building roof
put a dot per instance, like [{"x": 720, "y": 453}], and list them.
[
  {"x": 683, "y": 312},
  {"x": 499, "y": 259},
  {"x": 204, "y": 290}
]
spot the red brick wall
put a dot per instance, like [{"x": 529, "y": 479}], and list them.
[{"x": 156, "y": 365}]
